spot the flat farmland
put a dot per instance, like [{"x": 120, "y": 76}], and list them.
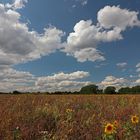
[{"x": 69, "y": 117}]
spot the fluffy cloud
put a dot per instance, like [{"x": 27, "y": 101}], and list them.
[
  {"x": 20, "y": 44},
  {"x": 121, "y": 65},
  {"x": 64, "y": 76},
  {"x": 114, "y": 16},
  {"x": 112, "y": 21},
  {"x": 62, "y": 86},
  {"x": 83, "y": 42},
  {"x": 18, "y": 4},
  {"x": 137, "y": 79},
  {"x": 83, "y": 2},
  {"x": 11, "y": 79},
  {"x": 113, "y": 81},
  {"x": 137, "y": 82},
  {"x": 62, "y": 81},
  {"x": 138, "y": 67},
  {"x": 90, "y": 54}
]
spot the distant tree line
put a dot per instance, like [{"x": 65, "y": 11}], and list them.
[
  {"x": 109, "y": 90},
  {"x": 90, "y": 89},
  {"x": 129, "y": 90}
]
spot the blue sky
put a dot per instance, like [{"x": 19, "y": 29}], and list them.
[{"x": 51, "y": 41}]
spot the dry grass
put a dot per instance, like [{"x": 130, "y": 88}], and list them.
[{"x": 68, "y": 117}]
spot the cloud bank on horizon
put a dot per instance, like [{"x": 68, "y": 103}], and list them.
[{"x": 21, "y": 44}]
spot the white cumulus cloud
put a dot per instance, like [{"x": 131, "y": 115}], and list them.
[
  {"x": 113, "y": 81},
  {"x": 20, "y": 44},
  {"x": 62, "y": 81},
  {"x": 83, "y": 42},
  {"x": 17, "y": 4},
  {"x": 11, "y": 79},
  {"x": 114, "y": 16}
]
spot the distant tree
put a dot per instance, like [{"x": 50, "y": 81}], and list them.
[
  {"x": 100, "y": 91},
  {"x": 75, "y": 92},
  {"x": 110, "y": 90},
  {"x": 58, "y": 92},
  {"x": 16, "y": 92},
  {"x": 89, "y": 89},
  {"x": 135, "y": 89},
  {"x": 125, "y": 90}
]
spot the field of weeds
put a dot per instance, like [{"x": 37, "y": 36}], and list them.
[{"x": 69, "y": 117}]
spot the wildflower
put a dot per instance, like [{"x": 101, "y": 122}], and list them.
[
  {"x": 109, "y": 128},
  {"x": 115, "y": 123},
  {"x": 17, "y": 128},
  {"x": 43, "y": 132},
  {"x": 69, "y": 110},
  {"x": 135, "y": 119},
  {"x": 17, "y": 133}
]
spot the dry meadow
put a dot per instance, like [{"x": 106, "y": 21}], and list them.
[{"x": 69, "y": 117}]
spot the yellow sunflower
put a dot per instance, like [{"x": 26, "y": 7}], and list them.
[
  {"x": 69, "y": 110},
  {"x": 109, "y": 128},
  {"x": 135, "y": 119}
]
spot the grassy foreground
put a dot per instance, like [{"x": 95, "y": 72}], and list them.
[{"x": 69, "y": 117}]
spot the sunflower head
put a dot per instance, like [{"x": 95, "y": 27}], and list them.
[
  {"x": 109, "y": 128},
  {"x": 134, "y": 119},
  {"x": 69, "y": 110}
]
